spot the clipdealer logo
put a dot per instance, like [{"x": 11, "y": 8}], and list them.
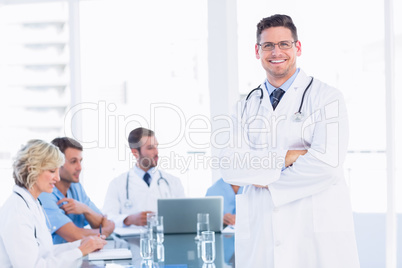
[
  {"x": 198, "y": 133},
  {"x": 183, "y": 163}
]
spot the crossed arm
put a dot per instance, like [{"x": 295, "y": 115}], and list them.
[
  {"x": 71, "y": 232},
  {"x": 291, "y": 157}
]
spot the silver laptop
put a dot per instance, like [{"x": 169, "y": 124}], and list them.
[{"x": 180, "y": 214}]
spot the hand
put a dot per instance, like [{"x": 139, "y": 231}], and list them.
[
  {"x": 229, "y": 219},
  {"x": 139, "y": 219},
  {"x": 73, "y": 206},
  {"x": 91, "y": 243},
  {"x": 292, "y": 155},
  {"x": 107, "y": 226}
]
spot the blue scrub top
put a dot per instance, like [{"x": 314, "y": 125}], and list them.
[
  {"x": 221, "y": 188},
  {"x": 57, "y": 216}
]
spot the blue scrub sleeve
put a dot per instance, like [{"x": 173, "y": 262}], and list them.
[{"x": 56, "y": 216}]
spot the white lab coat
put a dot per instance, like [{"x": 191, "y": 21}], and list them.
[
  {"x": 18, "y": 245},
  {"x": 142, "y": 197},
  {"x": 304, "y": 219}
]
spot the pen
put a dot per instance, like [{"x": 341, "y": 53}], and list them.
[{"x": 100, "y": 229}]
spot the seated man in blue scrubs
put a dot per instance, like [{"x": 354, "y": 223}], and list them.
[
  {"x": 228, "y": 191},
  {"x": 68, "y": 208}
]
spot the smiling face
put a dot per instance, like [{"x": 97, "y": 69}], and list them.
[
  {"x": 45, "y": 182},
  {"x": 279, "y": 64}
]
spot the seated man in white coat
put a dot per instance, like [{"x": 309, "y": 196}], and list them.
[{"x": 133, "y": 194}]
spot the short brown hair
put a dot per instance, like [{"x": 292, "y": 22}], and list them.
[
  {"x": 276, "y": 21},
  {"x": 64, "y": 143},
  {"x": 135, "y": 136}
]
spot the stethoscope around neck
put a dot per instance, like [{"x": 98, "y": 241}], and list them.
[
  {"x": 297, "y": 117},
  {"x": 49, "y": 225},
  {"x": 129, "y": 204}
]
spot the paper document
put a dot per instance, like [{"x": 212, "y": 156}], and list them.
[
  {"x": 110, "y": 254},
  {"x": 129, "y": 231},
  {"x": 230, "y": 229}
]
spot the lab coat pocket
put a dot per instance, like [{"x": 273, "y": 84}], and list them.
[
  {"x": 332, "y": 210},
  {"x": 242, "y": 217}
]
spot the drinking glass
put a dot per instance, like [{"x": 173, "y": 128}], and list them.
[
  {"x": 146, "y": 243},
  {"x": 158, "y": 229},
  {"x": 208, "y": 265},
  {"x": 160, "y": 253},
  {"x": 202, "y": 224},
  {"x": 151, "y": 216},
  {"x": 147, "y": 264},
  {"x": 150, "y": 219},
  {"x": 208, "y": 246}
]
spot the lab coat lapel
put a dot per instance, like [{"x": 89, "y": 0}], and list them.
[
  {"x": 279, "y": 120},
  {"x": 266, "y": 105},
  {"x": 28, "y": 198},
  {"x": 301, "y": 82},
  {"x": 137, "y": 182},
  {"x": 290, "y": 98}
]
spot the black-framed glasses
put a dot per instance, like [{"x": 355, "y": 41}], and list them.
[{"x": 269, "y": 46}]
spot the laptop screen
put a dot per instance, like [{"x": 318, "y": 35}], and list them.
[{"x": 180, "y": 214}]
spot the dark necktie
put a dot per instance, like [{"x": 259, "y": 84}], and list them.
[
  {"x": 276, "y": 97},
  {"x": 147, "y": 178}
]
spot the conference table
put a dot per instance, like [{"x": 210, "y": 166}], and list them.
[{"x": 177, "y": 250}]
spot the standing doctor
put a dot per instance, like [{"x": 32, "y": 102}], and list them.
[
  {"x": 295, "y": 209},
  {"x": 133, "y": 194}
]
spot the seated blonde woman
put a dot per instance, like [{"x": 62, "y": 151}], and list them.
[{"x": 25, "y": 240}]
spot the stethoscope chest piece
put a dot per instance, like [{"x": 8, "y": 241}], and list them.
[
  {"x": 128, "y": 204},
  {"x": 298, "y": 117}
]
